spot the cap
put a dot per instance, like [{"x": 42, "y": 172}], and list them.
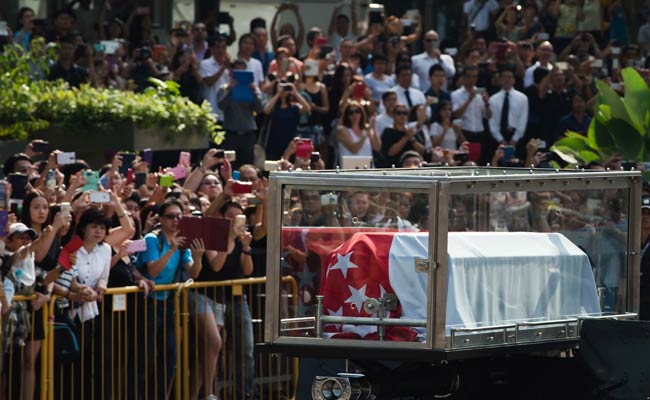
[{"x": 19, "y": 227}]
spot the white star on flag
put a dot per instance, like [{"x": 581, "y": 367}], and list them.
[
  {"x": 343, "y": 263},
  {"x": 358, "y": 297},
  {"x": 337, "y": 313}
]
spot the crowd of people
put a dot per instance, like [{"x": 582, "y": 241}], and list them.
[{"x": 394, "y": 94}]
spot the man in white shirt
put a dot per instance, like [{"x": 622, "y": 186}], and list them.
[
  {"x": 246, "y": 48},
  {"x": 509, "y": 111},
  {"x": 479, "y": 13},
  {"x": 214, "y": 72},
  {"x": 544, "y": 54},
  {"x": 472, "y": 107},
  {"x": 406, "y": 94},
  {"x": 378, "y": 82},
  {"x": 423, "y": 62},
  {"x": 199, "y": 44},
  {"x": 385, "y": 119}
]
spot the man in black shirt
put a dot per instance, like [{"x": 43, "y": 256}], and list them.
[
  {"x": 65, "y": 68},
  {"x": 555, "y": 103}
]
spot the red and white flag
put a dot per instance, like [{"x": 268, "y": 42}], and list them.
[{"x": 356, "y": 271}]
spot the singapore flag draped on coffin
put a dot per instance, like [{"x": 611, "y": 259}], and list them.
[{"x": 356, "y": 271}]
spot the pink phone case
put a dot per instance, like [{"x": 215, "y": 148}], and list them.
[
  {"x": 179, "y": 172},
  {"x": 184, "y": 158},
  {"x": 136, "y": 246}
]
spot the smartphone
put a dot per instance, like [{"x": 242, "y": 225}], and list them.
[
  {"x": 100, "y": 197},
  {"x": 65, "y": 209},
  {"x": 359, "y": 90},
  {"x": 99, "y": 48},
  {"x": 64, "y": 257},
  {"x": 329, "y": 199},
  {"x": 543, "y": 36},
  {"x": 184, "y": 158},
  {"x": 541, "y": 145},
  {"x": 3, "y": 28},
  {"x": 321, "y": 41},
  {"x": 147, "y": 156},
  {"x": 66, "y": 158},
  {"x": 311, "y": 68},
  {"x": 325, "y": 50},
  {"x": 285, "y": 87},
  {"x": 597, "y": 64},
  {"x": 140, "y": 179},
  {"x": 18, "y": 185},
  {"x": 508, "y": 153},
  {"x": 92, "y": 180},
  {"x": 480, "y": 91},
  {"x": 220, "y": 154},
  {"x": 166, "y": 180},
  {"x": 236, "y": 175},
  {"x": 223, "y": 17},
  {"x": 136, "y": 246},
  {"x": 461, "y": 158},
  {"x": 50, "y": 180},
  {"x": 304, "y": 149},
  {"x": 240, "y": 221},
  {"x": 4, "y": 220},
  {"x": 562, "y": 65},
  {"x": 41, "y": 146},
  {"x": 474, "y": 152},
  {"x": 452, "y": 51},
  {"x": 230, "y": 155},
  {"x": 3, "y": 195},
  {"x": 270, "y": 165},
  {"x": 179, "y": 172},
  {"x": 129, "y": 176},
  {"x": 616, "y": 50},
  {"x": 239, "y": 187},
  {"x": 315, "y": 156}
]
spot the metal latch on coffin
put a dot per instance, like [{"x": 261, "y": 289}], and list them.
[{"x": 424, "y": 265}]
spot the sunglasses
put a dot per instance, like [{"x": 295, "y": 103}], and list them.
[
  {"x": 173, "y": 216},
  {"x": 402, "y": 112}
]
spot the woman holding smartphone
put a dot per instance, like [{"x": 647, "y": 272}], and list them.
[
  {"x": 284, "y": 115},
  {"x": 355, "y": 136},
  {"x": 36, "y": 215}
]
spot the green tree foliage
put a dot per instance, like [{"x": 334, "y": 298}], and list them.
[
  {"x": 619, "y": 128},
  {"x": 29, "y": 103}
]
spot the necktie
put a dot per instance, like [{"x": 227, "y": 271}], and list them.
[
  {"x": 505, "y": 110},
  {"x": 408, "y": 98}
]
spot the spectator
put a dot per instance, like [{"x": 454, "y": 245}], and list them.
[
  {"x": 19, "y": 163},
  {"x": 246, "y": 47},
  {"x": 423, "y": 62},
  {"x": 239, "y": 118},
  {"x": 287, "y": 29},
  {"x": 400, "y": 138},
  {"x": 164, "y": 262},
  {"x": 186, "y": 72},
  {"x": 284, "y": 116},
  {"x": 213, "y": 70},
  {"x": 443, "y": 132},
  {"x": 346, "y": 51},
  {"x": 410, "y": 159},
  {"x": 406, "y": 94},
  {"x": 342, "y": 27},
  {"x": 509, "y": 111},
  {"x": 199, "y": 41},
  {"x": 531, "y": 24},
  {"x": 385, "y": 119},
  {"x": 544, "y": 54},
  {"x": 355, "y": 136},
  {"x": 65, "y": 68},
  {"x": 289, "y": 47},
  {"x": 643, "y": 37},
  {"x": 555, "y": 104},
  {"x": 261, "y": 53},
  {"x": 64, "y": 22},
  {"x": 143, "y": 67},
  {"x": 472, "y": 108},
  {"x": 507, "y": 24},
  {"x": 535, "y": 116},
  {"x": 436, "y": 94},
  {"x": 85, "y": 19},
  {"x": 24, "y": 27},
  {"x": 577, "y": 121},
  {"x": 479, "y": 13},
  {"x": 377, "y": 80},
  {"x": 316, "y": 94},
  {"x": 617, "y": 23}
]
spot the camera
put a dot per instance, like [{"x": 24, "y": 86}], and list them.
[{"x": 145, "y": 53}]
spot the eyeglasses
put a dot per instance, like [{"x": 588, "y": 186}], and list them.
[
  {"x": 173, "y": 216},
  {"x": 355, "y": 111},
  {"x": 211, "y": 182},
  {"x": 401, "y": 112}
]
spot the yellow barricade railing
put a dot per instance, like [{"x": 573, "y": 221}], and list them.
[
  {"x": 124, "y": 352},
  {"x": 18, "y": 374}
]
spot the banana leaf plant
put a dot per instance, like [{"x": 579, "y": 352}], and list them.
[{"x": 620, "y": 126}]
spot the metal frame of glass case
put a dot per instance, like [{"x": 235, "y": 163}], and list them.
[{"x": 440, "y": 184}]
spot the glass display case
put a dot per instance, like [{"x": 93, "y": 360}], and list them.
[{"x": 449, "y": 259}]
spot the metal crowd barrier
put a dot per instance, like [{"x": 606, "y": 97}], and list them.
[{"x": 124, "y": 351}]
